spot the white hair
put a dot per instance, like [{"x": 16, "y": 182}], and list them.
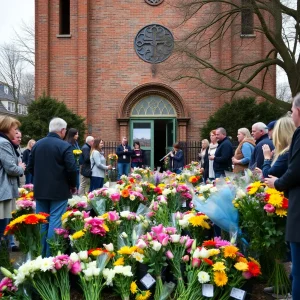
[
  {"x": 261, "y": 126},
  {"x": 296, "y": 100},
  {"x": 89, "y": 139},
  {"x": 57, "y": 124}
]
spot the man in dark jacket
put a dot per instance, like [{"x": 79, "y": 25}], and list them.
[
  {"x": 124, "y": 153},
  {"x": 85, "y": 162},
  {"x": 223, "y": 154},
  {"x": 176, "y": 159},
  {"x": 53, "y": 166},
  {"x": 289, "y": 183},
  {"x": 260, "y": 134}
]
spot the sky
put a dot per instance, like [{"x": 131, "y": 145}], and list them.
[{"x": 12, "y": 12}]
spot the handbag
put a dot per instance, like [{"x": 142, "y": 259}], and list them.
[{"x": 87, "y": 172}]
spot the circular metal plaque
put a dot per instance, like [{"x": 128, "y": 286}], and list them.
[
  {"x": 154, "y": 43},
  {"x": 154, "y": 2}
]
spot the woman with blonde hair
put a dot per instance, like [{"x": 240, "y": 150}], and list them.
[
  {"x": 25, "y": 159},
  {"x": 243, "y": 152},
  {"x": 203, "y": 158},
  {"x": 211, "y": 152},
  {"x": 282, "y": 138}
]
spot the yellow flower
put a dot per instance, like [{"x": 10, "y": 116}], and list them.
[
  {"x": 65, "y": 215},
  {"x": 230, "y": 251},
  {"x": 220, "y": 278},
  {"x": 104, "y": 216},
  {"x": 241, "y": 266},
  {"x": 105, "y": 227},
  {"x": 272, "y": 191},
  {"x": 138, "y": 257},
  {"x": 213, "y": 252},
  {"x": 242, "y": 259},
  {"x": 119, "y": 262},
  {"x": 143, "y": 296},
  {"x": 78, "y": 234},
  {"x": 96, "y": 252},
  {"x": 77, "y": 152},
  {"x": 281, "y": 212},
  {"x": 219, "y": 266},
  {"x": 126, "y": 250},
  {"x": 199, "y": 221},
  {"x": 161, "y": 185},
  {"x": 133, "y": 287},
  {"x": 275, "y": 200},
  {"x": 252, "y": 189}
]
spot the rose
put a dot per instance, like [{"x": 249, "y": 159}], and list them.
[{"x": 269, "y": 208}]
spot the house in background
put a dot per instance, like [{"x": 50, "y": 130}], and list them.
[{"x": 8, "y": 105}]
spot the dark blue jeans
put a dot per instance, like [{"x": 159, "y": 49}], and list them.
[
  {"x": 219, "y": 174},
  {"x": 136, "y": 164},
  {"x": 28, "y": 178},
  {"x": 123, "y": 169},
  {"x": 55, "y": 209},
  {"x": 295, "y": 251},
  {"x": 96, "y": 183}
]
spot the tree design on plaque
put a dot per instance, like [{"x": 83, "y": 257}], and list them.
[
  {"x": 154, "y": 2},
  {"x": 154, "y": 43}
]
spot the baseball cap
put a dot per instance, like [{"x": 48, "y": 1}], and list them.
[{"x": 271, "y": 125}]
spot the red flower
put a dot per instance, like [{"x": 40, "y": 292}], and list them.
[
  {"x": 208, "y": 261},
  {"x": 131, "y": 180},
  {"x": 267, "y": 197},
  {"x": 253, "y": 268},
  {"x": 285, "y": 203},
  {"x": 209, "y": 243},
  {"x": 44, "y": 214},
  {"x": 157, "y": 190},
  {"x": 31, "y": 219}
]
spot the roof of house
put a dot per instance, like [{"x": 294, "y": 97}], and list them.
[
  {"x": 9, "y": 96},
  {"x": 3, "y": 110}
]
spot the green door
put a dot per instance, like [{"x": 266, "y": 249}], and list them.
[{"x": 143, "y": 132}]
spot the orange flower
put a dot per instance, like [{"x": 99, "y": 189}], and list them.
[
  {"x": 125, "y": 193},
  {"x": 31, "y": 219},
  {"x": 208, "y": 261},
  {"x": 209, "y": 243},
  {"x": 253, "y": 268},
  {"x": 230, "y": 251}
]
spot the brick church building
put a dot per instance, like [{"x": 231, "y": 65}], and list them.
[{"x": 109, "y": 61}]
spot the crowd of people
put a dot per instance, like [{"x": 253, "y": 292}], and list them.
[{"x": 272, "y": 150}]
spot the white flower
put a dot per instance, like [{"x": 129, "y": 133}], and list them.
[
  {"x": 213, "y": 189},
  {"x": 74, "y": 257},
  {"x": 240, "y": 193},
  {"x": 183, "y": 223},
  {"x": 109, "y": 247},
  {"x": 138, "y": 256},
  {"x": 203, "y": 253},
  {"x": 139, "y": 189},
  {"x": 124, "y": 270},
  {"x": 88, "y": 272},
  {"x": 175, "y": 238},
  {"x": 77, "y": 213},
  {"x": 83, "y": 255},
  {"x": 132, "y": 197},
  {"x": 109, "y": 275},
  {"x": 166, "y": 192},
  {"x": 124, "y": 214},
  {"x": 124, "y": 235},
  {"x": 203, "y": 277},
  {"x": 173, "y": 191},
  {"x": 47, "y": 264},
  {"x": 156, "y": 246}
]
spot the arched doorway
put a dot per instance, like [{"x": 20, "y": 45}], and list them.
[{"x": 154, "y": 115}]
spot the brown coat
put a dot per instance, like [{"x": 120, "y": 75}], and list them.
[{"x": 239, "y": 155}]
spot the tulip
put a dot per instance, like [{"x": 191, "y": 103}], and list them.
[
  {"x": 141, "y": 244},
  {"x": 169, "y": 254},
  {"x": 109, "y": 247},
  {"x": 157, "y": 229},
  {"x": 185, "y": 258},
  {"x": 76, "y": 268},
  {"x": 196, "y": 262},
  {"x": 113, "y": 216}
]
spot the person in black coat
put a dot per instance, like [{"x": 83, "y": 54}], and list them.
[
  {"x": 25, "y": 159},
  {"x": 176, "y": 159},
  {"x": 223, "y": 154},
  {"x": 53, "y": 167},
  {"x": 289, "y": 183},
  {"x": 124, "y": 153},
  {"x": 85, "y": 163},
  {"x": 260, "y": 134}
]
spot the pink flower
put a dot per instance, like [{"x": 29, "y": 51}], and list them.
[
  {"x": 269, "y": 208},
  {"x": 91, "y": 195},
  {"x": 196, "y": 262},
  {"x": 189, "y": 243},
  {"x": 115, "y": 197},
  {"x": 185, "y": 258},
  {"x": 162, "y": 236},
  {"x": 170, "y": 230},
  {"x": 157, "y": 229},
  {"x": 141, "y": 244},
  {"x": 61, "y": 231},
  {"x": 86, "y": 214},
  {"x": 220, "y": 242},
  {"x": 155, "y": 206},
  {"x": 82, "y": 204},
  {"x": 169, "y": 254},
  {"x": 183, "y": 239},
  {"x": 150, "y": 214},
  {"x": 247, "y": 275},
  {"x": 76, "y": 268},
  {"x": 113, "y": 216}
]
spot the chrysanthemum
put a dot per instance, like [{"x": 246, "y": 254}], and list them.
[
  {"x": 143, "y": 296},
  {"x": 213, "y": 252},
  {"x": 78, "y": 234},
  {"x": 241, "y": 266},
  {"x": 126, "y": 250},
  {"x": 199, "y": 221},
  {"x": 275, "y": 200},
  {"x": 253, "y": 188},
  {"x": 220, "y": 278},
  {"x": 65, "y": 215},
  {"x": 133, "y": 287},
  {"x": 119, "y": 262},
  {"x": 209, "y": 243},
  {"x": 219, "y": 266},
  {"x": 253, "y": 268},
  {"x": 242, "y": 259},
  {"x": 230, "y": 251},
  {"x": 281, "y": 212}
]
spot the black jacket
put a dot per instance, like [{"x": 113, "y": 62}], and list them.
[
  {"x": 206, "y": 165},
  {"x": 120, "y": 152},
  {"x": 257, "y": 158},
  {"x": 289, "y": 182},
  {"x": 223, "y": 156},
  {"x": 54, "y": 168},
  {"x": 177, "y": 161},
  {"x": 85, "y": 159}
]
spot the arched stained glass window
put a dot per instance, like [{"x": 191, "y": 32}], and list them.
[{"x": 153, "y": 106}]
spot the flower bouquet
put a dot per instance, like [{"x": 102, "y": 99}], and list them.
[
  {"x": 23, "y": 207},
  {"x": 139, "y": 295},
  {"x": 74, "y": 219},
  {"x": 112, "y": 174},
  {"x": 60, "y": 241},
  {"x": 77, "y": 202},
  {"x": 26, "y": 192},
  {"x": 99, "y": 200},
  {"x": 77, "y": 153},
  {"x": 26, "y": 229}
]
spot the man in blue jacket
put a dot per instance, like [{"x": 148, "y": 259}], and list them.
[
  {"x": 124, "y": 153},
  {"x": 260, "y": 134},
  {"x": 223, "y": 154},
  {"x": 53, "y": 166}
]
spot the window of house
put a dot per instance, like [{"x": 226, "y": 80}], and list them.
[
  {"x": 64, "y": 17},
  {"x": 11, "y": 106},
  {"x": 247, "y": 18},
  {"x": 6, "y": 90},
  {"x": 19, "y": 108}
]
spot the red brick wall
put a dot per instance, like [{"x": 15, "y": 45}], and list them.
[{"x": 93, "y": 70}]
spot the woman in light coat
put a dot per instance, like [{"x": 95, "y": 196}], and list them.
[
  {"x": 98, "y": 165},
  {"x": 10, "y": 169}
]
